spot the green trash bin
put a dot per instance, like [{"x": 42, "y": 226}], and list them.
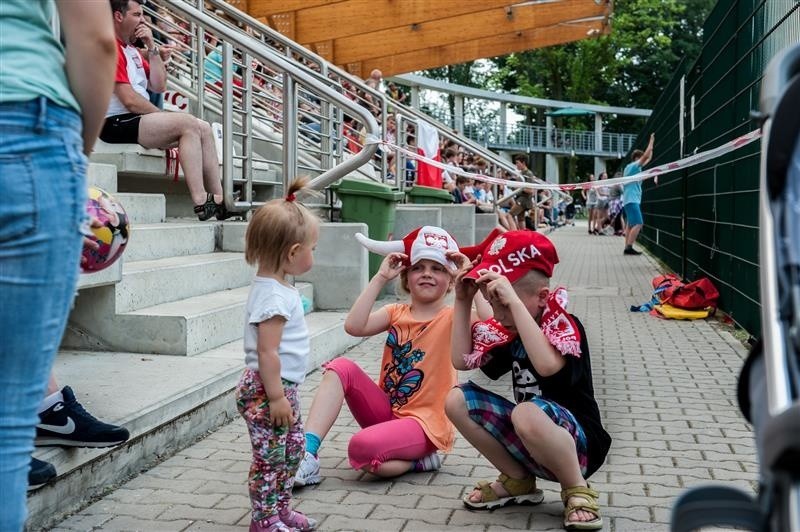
[
  {"x": 428, "y": 195},
  {"x": 371, "y": 203}
]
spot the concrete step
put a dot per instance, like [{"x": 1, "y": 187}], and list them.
[
  {"x": 152, "y": 282},
  {"x": 138, "y": 161},
  {"x": 165, "y": 402},
  {"x": 186, "y": 327},
  {"x": 161, "y": 240},
  {"x": 182, "y": 328},
  {"x": 103, "y": 176},
  {"x": 109, "y": 276},
  {"x": 143, "y": 208}
]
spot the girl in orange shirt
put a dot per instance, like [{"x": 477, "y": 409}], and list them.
[{"x": 402, "y": 415}]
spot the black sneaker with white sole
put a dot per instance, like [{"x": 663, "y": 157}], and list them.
[
  {"x": 40, "y": 473},
  {"x": 66, "y": 423}
]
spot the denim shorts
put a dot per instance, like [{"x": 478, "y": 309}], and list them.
[
  {"x": 43, "y": 179},
  {"x": 633, "y": 214}
]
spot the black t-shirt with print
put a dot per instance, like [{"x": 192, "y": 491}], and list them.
[{"x": 571, "y": 388}]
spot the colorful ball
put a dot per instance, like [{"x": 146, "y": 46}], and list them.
[{"x": 111, "y": 237}]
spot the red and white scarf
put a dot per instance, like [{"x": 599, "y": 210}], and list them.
[{"x": 557, "y": 325}]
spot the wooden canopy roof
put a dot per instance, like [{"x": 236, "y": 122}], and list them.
[{"x": 399, "y": 36}]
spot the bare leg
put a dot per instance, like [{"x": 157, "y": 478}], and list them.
[
  {"x": 161, "y": 130},
  {"x": 632, "y": 234},
  {"x": 600, "y": 216},
  {"x": 52, "y": 385},
  {"x": 456, "y": 408},
  {"x": 521, "y": 219},
  {"x": 391, "y": 468},
  {"x": 211, "y": 178},
  {"x": 550, "y": 446},
  {"x": 326, "y": 405}
]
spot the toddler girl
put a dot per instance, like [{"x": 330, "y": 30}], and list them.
[{"x": 280, "y": 240}]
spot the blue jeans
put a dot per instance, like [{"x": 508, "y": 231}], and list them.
[{"x": 43, "y": 204}]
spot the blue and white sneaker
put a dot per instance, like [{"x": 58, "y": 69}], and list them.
[
  {"x": 66, "y": 423},
  {"x": 308, "y": 471},
  {"x": 40, "y": 473}
]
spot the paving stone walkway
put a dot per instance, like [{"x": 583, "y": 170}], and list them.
[{"x": 665, "y": 390}]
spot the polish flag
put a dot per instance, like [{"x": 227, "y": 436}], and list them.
[{"x": 428, "y": 146}]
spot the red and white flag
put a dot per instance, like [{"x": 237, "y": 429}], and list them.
[{"x": 428, "y": 146}]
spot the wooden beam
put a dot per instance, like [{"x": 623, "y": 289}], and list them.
[
  {"x": 453, "y": 30},
  {"x": 263, "y": 8},
  {"x": 323, "y": 49},
  {"x": 241, "y": 5},
  {"x": 283, "y": 23},
  {"x": 461, "y": 52},
  {"x": 353, "y": 17}
]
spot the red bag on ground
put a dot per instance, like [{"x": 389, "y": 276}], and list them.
[
  {"x": 696, "y": 295},
  {"x": 665, "y": 285}
]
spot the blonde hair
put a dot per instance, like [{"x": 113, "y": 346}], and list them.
[
  {"x": 531, "y": 283},
  {"x": 276, "y": 226}
]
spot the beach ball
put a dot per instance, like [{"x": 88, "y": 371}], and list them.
[{"x": 111, "y": 237}]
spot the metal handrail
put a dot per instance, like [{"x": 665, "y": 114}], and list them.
[
  {"x": 293, "y": 75},
  {"x": 317, "y": 67},
  {"x": 336, "y": 76}
]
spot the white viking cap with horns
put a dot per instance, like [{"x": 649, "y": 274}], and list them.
[{"x": 427, "y": 242}]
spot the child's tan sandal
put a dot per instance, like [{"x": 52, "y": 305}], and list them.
[
  {"x": 520, "y": 491},
  {"x": 590, "y": 505}
]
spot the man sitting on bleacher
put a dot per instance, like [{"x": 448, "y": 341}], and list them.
[{"x": 131, "y": 118}]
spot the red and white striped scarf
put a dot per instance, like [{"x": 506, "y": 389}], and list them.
[{"x": 557, "y": 325}]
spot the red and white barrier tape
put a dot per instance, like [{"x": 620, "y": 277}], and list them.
[{"x": 656, "y": 171}]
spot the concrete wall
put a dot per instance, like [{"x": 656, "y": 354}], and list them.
[
  {"x": 459, "y": 221},
  {"x": 484, "y": 223},
  {"x": 341, "y": 268},
  {"x": 340, "y": 272},
  {"x": 409, "y": 217}
]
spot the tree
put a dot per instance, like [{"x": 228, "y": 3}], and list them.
[{"x": 629, "y": 67}]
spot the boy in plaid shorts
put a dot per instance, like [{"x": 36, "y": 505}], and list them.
[{"x": 553, "y": 429}]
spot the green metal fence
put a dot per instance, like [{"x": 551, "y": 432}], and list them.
[{"x": 704, "y": 221}]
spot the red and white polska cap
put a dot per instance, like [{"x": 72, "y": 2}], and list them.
[
  {"x": 427, "y": 242},
  {"x": 515, "y": 253}
]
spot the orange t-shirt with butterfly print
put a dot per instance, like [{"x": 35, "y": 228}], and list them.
[{"x": 416, "y": 370}]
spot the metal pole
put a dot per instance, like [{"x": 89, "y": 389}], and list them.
[
  {"x": 247, "y": 130},
  {"x": 289, "y": 130},
  {"x": 227, "y": 120}
]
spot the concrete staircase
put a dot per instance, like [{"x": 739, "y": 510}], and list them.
[{"x": 180, "y": 289}]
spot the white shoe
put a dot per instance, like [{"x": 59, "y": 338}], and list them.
[{"x": 308, "y": 472}]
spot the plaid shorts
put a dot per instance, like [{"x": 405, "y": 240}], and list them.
[{"x": 493, "y": 413}]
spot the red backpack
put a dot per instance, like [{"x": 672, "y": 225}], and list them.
[
  {"x": 696, "y": 295},
  {"x": 665, "y": 285}
]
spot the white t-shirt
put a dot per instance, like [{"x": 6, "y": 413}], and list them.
[
  {"x": 446, "y": 177},
  {"x": 133, "y": 69},
  {"x": 269, "y": 298}
]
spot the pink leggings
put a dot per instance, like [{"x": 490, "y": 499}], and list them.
[{"x": 383, "y": 436}]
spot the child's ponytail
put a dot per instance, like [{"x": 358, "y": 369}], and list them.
[
  {"x": 299, "y": 185},
  {"x": 277, "y": 225}
]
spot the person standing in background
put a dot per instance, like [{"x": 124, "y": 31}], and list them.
[
  {"x": 52, "y": 103},
  {"x": 632, "y": 196}
]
